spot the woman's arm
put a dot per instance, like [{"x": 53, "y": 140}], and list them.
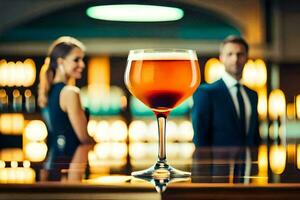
[
  {"x": 70, "y": 103},
  {"x": 79, "y": 163}
]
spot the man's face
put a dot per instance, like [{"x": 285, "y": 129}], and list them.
[{"x": 234, "y": 58}]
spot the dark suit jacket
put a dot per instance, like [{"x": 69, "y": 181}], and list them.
[{"x": 215, "y": 120}]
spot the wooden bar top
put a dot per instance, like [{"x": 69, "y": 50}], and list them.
[{"x": 267, "y": 172}]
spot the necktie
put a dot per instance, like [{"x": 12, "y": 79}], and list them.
[{"x": 241, "y": 108}]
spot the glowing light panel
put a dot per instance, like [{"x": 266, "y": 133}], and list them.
[
  {"x": 36, "y": 151},
  {"x": 135, "y": 13},
  {"x": 276, "y": 104},
  {"x": 36, "y": 130}
]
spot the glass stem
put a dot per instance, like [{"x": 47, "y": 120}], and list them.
[{"x": 161, "y": 138}]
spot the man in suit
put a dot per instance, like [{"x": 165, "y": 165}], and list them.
[{"x": 225, "y": 112}]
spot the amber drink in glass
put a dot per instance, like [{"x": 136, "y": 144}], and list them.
[{"x": 162, "y": 79}]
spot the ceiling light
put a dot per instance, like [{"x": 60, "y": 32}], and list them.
[{"x": 135, "y": 13}]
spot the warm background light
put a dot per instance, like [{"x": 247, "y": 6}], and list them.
[
  {"x": 262, "y": 106},
  {"x": 249, "y": 74},
  {"x": 137, "y": 131},
  {"x": 30, "y": 103},
  {"x": 26, "y": 164},
  {"x": 99, "y": 96},
  {"x": 36, "y": 130},
  {"x": 276, "y": 104},
  {"x": 255, "y": 74},
  {"x": 110, "y": 130},
  {"x": 143, "y": 154},
  {"x": 17, "y": 74},
  {"x": 99, "y": 71},
  {"x": 2, "y": 164},
  {"x": 185, "y": 131},
  {"x": 12, "y": 124},
  {"x": 277, "y": 158},
  {"x": 9, "y": 154},
  {"x": 111, "y": 150},
  {"x": 106, "y": 156},
  {"x": 261, "y": 73},
  {"x": 17, "y": 175},
  {"x": 92, "y": 127},
  {"x": 150, "y": 132},
  {"x": 3, "y": 74},
  {"x": 11, "y": 72},
  {"x": 96, "y": 96},
  {"x": 291, "y": 153},
  {"x": 3, "y": 100},
  {"x": 35, "y": 151},
  {"x": 298, "y": 156},
  {"x": 17, "y": 101},
  {"x": 290, "y": 111},
  {"x": 262, "y": 165},
  {"x": 172, "y": 128},
  {"x": 255, "y": 77},
  {"x": 298, "y": 106},
  {"x": 102, "y": 132},
  {"x": 30, "y": 72},
  {"x": 13, "y": 164},
  {"x": 178, "y": 130},
  {"x": 213, "y": 70},
  {"x": 118, "y": 131}
]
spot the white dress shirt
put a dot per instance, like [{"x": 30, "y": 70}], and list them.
[{"x": 230, "y": 83}]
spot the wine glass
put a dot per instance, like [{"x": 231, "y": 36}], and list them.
[{"x": 162, "y": 79}]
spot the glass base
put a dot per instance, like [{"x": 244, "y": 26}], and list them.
[
  {"x": 161, "y": 170},
  {"x": 162, "y": 183}
]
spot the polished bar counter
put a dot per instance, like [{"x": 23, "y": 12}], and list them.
[{"x": 267, "y": 172}]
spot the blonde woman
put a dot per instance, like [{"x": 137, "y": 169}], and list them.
[{"x": 66, "y": 117}]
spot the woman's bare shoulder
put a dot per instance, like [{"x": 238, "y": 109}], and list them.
[
  {"x": 69, "y": 90},
  {"x": 69, "y": 98}
]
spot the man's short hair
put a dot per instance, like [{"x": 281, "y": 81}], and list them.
[{"x": 235, "y": 39}]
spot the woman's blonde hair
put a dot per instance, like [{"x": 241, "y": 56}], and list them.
[{"x": 60, "y": 48}]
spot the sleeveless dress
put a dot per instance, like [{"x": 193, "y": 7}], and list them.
[{"x": 61, "y": 132}]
